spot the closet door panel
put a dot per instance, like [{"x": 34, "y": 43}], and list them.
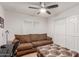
[
  {"x": 36, "y": 27},
  {"x": 77, "y": 35},
  {"x": 27, "y": 27},
  {"x": 60, "y": 32},
  {"x": 70, "y": 30},
  {"x": 67, "y": 32}
]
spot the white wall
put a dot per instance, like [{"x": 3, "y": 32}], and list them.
[
  {"x": 1, "y": 12},
  {"x": 60, "y": 28},
  {"x": 2, "y": 37},
  {"x": 18, "y": 23},
  {"x": 65, "y": 29}
]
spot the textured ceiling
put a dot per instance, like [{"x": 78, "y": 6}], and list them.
[{"x": 22, "y": 7}]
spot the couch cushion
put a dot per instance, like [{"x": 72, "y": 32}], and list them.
[
  {"x": 34, "y": 37},
  {"x": 24, "y": 46},
  {"x": 42, "y": 36},
  {"x": 23, "y": 38},
  {"x": 38, "y": 37},
  {"x": 24, "y": 52},
  {"x": 41, "y": 43}
]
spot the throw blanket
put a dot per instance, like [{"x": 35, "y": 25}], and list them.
[{"x": 54, "y": 50}]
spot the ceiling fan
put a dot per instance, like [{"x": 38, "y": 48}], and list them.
[{"x": 43, "y": 8}]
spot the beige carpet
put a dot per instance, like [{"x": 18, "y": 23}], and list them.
[{"x": 30, "y": 55}]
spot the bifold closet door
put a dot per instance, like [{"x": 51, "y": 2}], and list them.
[
  {"x": 77, "y": 34},
  {"x": 36, "y": 27},
  {"x": 70, "y": 32},
  {"x": 60, "y": 32},
  {"x": 27, "y": 27},
  {"x": 77, "y": 44},
  {"x": 67, "y": 32},
  {"x": 33, "y": 27}
]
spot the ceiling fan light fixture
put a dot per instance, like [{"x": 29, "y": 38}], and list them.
[{"x": 42, "y": 10}]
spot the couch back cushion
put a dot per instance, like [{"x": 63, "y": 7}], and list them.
[
  {"x": 38, "y": 37},
  {"x": 23, "y": 38},
  {"x": 42, "y": 36}
]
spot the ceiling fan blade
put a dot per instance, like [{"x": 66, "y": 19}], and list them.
[
  {"x": 38, "y": 13},
  {"x": 33, "y": 7},
  {"x": 52, "y": 6},
  {"x": 42, "y": 4},
  {"x": 48, "y": 12}
]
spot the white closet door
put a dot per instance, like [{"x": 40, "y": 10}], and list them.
[
  {"x": 70, "y": 32},
  {"x": 77, "y": 35},
  {"x": 27, "y": 27},
  {"x": 36, "y": 27},
  {"x": 67, "y": 32},
  {"x": 60, "y": 32}
]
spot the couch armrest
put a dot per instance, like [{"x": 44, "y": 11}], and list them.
[
  {"x": 15, "y": 41},
  {"x": 49, "y": 38}
]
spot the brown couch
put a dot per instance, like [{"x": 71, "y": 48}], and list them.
[{"x": 28, "y": 43}]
